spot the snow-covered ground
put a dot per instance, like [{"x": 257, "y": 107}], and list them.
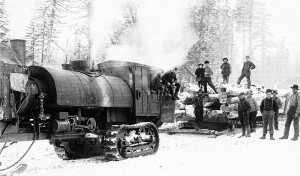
[{"x": 178, "y": 155}]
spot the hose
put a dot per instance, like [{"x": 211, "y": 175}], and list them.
[{"x": 8, "y": 167}]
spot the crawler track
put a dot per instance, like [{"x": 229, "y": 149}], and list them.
[
  {"x": 129, "y": 141},
  {"x": 120, "y": 141}
]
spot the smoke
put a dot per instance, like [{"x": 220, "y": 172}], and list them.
[{"x": 161, "y": 37}]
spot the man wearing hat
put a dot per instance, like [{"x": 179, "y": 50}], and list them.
[
  {"x": 243, "y": 110},
  {"x": 207, "y": 77},
  {"x": 267, "y": 108},
  {"x": 200, "y": 75},
  {"x": 246, "y": 71},
  {"x": 253, "y": 111},
  {"x": 293, "y": 115},
  {"x": 170, "y": 80},
  {"x": 279, "y": 104},
  {"x": 226, "y": 70}
]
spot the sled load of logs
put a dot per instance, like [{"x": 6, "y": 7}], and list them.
[{"x": 222, "y": 107}]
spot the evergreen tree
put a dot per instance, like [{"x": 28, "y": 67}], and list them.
[{"x": 3, "y": 23}]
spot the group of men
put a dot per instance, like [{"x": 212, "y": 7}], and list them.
[
  {"x": 247, "y": 107},
  {"x": 204, "y": 72},
  {"x": 204, "y": 76},
  {"x": 269, "y": 108}
]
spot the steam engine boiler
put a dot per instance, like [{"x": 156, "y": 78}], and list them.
[{"x": 108, "y": 111}]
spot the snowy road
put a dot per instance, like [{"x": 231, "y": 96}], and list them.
[{"x": 178, "y": 155}]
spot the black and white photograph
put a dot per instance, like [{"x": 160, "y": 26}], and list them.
[{"x": 149, "y": 87}]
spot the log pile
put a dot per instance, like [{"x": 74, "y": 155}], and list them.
[{"x": 222, "y": 107}]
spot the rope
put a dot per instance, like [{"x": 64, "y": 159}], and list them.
[
  {"x": 2, "y": 148},
  {"x": 18, "y": 159}
]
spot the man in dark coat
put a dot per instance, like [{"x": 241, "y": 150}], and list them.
[
  {"x": 226, "y": 70},
  {"x": 200, "y": 75},
  {"x": 246, "y": 71},
  {"x": 169, "y": 79},
  {"x": 207, "y": 77},
  {"x": 268, "y": 107},
  {"x": 243, "y": 110},
  {"x": 293, "y": 115}
]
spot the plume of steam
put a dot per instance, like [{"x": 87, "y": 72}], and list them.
[{"x": 161, "y": 37}]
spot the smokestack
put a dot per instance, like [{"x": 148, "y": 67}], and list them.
[{"x": 18, "y": 46}]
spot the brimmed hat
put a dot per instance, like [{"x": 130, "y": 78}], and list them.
[
  {"x": 275, "y": 92},
  {"x": 269, "y": 91},
  {"x": 250, "y": 92},
  {"x": 201, "y": 64},
  {"x": 242, "y": 93},
  {"x": 295, "y": 86},
  {"x": 225, "y": 59},
  {"x": 206, "y": 62}
]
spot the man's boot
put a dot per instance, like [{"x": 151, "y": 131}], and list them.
[
  {"x": 254, "y": 130},
  {"x": 176, "y": 94},
  {"x": 283, "y": 137},
  {"x": 248, "y": 131},
  {"x": 285, "y": 134},
  {"x": 243, "y": 132},
  {"x": 294, "y": 139},
  {"x": 271, "y": 137},
  {"x": 263, "y": 137}
]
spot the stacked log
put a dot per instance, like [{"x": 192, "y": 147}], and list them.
[{"x": 220, "y": 108}]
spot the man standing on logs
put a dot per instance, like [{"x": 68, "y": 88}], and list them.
[
  {"x": 246, "y": 71},
  {"x": 200, "y": 75},
  {"x": 293, "y": 115},
  {"x": 169, "y": 79},
  {"x": 226, "y": 70},
  {"x": 207, "y": 77}
]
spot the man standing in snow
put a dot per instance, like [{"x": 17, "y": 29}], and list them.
[
  {"x": 268, "y": 107},
  {"x": 226, "y": 70},
  {"x": 170, "y": 80},
  {"x": 207, "y": 77},
  {"x": 293, "y": 115},
  {"x": 252, "y": 112},
  {"x": 246, "y": 71},
  {"x": 278, "y": 101},
  {"x": 243, "y": 110}
]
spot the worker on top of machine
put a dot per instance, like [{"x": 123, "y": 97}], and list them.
[
  {"x": 155, "y": 84},
  {"x": 243, "y": 110},
  {"x": 267, "y": 108},
  {"x": 170, "y": 80}
]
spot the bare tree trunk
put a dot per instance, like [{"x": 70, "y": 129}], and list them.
[
  {"x": 51, "y": 27},
  {"x": 250, "y": 27}
]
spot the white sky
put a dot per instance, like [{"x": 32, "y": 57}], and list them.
[
  {"x": 19, "y": 16},
  {"x": 285, "y": 22}
]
